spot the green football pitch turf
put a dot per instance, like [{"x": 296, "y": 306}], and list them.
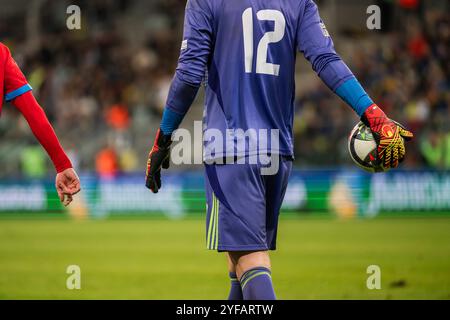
[{"x": 164, "y": 259}]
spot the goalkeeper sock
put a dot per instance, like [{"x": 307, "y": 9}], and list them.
[
  {"x": 235, "y": 290},
  {"x": 256, "y": 284}
]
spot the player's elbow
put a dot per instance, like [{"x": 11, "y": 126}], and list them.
[
  {"x": 30, "y": 108},
  {"x": 322, "y": 61},
  {"x": 193, "y": 79}
]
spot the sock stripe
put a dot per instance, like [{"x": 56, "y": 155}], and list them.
[
  {"x": 256, "y": 284},
  {"x": 233, "y": 276},
  {"x": 255, "y": 274},
  {"x": 235, "y": 289},
  {"x": 251, "y": 272}
]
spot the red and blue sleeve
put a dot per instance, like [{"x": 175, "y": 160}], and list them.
[
  {"x": 15, "y": 83},
  {"x": 18, "y": 91}
]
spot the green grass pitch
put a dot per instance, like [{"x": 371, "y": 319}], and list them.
[{"x": 164, "y": 259}]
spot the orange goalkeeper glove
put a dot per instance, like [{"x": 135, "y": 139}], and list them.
[{"x": 389, "y": 135}]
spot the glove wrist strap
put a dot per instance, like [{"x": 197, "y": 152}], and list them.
[
  {"x": 162, "y": 140},
  {"x": 373, "y": 116}
]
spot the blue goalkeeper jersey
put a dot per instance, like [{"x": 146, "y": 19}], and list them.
[{"x": 247, "y": 50}]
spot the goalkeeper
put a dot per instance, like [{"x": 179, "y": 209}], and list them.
[{"x": 248, "y": 50}]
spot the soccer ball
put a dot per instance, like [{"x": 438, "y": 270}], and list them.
[{"x": 362, "y": 148}]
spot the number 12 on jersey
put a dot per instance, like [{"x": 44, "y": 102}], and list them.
[{"x": 262, "y": 66}]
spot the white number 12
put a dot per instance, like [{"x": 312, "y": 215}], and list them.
[{"x": 262, "y": 66}]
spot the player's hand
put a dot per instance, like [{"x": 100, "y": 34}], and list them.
[
  {"x": 389, "y": 135},
  {"x": 67, "y": 185},
  {"x": 159, "y": 157}
]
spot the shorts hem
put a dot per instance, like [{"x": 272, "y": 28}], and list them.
[{"x": 251, "y": 247}]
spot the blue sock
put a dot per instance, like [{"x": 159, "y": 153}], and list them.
[
  {"x": 235, "y": 290},
  {"x": 256, "y": 284}
]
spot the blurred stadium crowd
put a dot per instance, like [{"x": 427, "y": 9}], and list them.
[{"x": 104, "y": 86}]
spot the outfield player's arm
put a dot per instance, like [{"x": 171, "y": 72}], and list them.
[
  {"x": 42, "y": 130},
  {"x": 19, "y": 93},
  {"x": 195, "y": 52},
  {"x": 316, "y": 44}
]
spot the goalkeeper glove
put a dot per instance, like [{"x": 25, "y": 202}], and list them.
[
  {"x": 159, "y": 157},
  {"x": 389, "y": 136}
]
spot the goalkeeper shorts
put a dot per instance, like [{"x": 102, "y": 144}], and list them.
[{"x": 243, "y": 205}]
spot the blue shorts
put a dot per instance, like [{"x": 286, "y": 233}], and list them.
[{"x": 243, "y": 206}]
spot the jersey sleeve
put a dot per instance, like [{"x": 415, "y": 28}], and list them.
[
  {"x": 196, "y": 48},
  {"x": 197, "y": 41},
  {"x": 42, "y": 130},
  {"x": 312, "y": 35},
  {"x": 15, "y": 83},
  {"x": 314, "y": 41}
]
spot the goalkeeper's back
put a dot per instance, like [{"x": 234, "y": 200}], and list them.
[{"x": 249, "y": 50}]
